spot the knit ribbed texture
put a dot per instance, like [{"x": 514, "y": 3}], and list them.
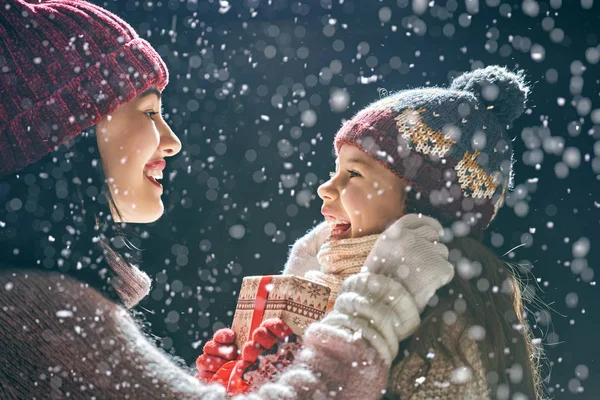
[
  {"x": 411, "y": 377},
  {"x": 303, "y": 254},
  {"x": 131, "y": 283},
  {"x": 410, "y": 252},
  {"x": 340, "y": 259},
  {"x": 380, "y": 309},
  {"x": 62, "y": 339},
  {"x": 65, "y": 64},
  {"x": 449, "y": 145},
  {"x": 404, "y": 269},
  {"x": 439, "y": 375}
]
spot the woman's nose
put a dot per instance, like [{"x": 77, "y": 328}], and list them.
[
  {"x": 169, "y": 142},
  {"x": 327, "y": 191}
]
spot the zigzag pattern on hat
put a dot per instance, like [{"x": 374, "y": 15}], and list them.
[
  {"x": 419, "y": 136},
  {"x": 474, "y": 181}
]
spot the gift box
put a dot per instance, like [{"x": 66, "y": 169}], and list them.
[{"x": 296, "y": 301}]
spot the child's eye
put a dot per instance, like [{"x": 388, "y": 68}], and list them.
[{"x": 353, "y": 174}]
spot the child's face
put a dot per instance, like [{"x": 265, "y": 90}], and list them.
[{"x": 362, "y": 197}]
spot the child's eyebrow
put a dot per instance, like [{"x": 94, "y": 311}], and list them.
[
  {"x": 357, "y": 161},
  {"x": 353, "y": 160}
]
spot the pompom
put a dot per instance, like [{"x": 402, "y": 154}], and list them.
[{"x": 501, "y": 91}]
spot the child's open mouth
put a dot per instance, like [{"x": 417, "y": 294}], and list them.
[{"x": 340, "y": 230}]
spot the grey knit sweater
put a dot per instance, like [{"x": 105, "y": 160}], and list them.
[{"x": 62, "y": 339}]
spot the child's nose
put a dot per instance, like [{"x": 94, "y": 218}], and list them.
[{"x": 327, "y": 191}]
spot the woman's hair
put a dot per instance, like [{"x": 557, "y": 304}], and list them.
[
  {"x": 486, "y": 293},
  {"x": 56, "y": 215}
]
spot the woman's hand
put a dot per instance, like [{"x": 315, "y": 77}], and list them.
[
  {"x": 410, "y": 252},
  {"x": 216, "y": 353}
]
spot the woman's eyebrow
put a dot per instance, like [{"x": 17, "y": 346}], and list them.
[{"x": 150, "y": 91}]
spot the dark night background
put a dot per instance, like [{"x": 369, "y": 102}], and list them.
[{"x": 257, "y": 92}]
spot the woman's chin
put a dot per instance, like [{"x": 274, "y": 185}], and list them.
[
  {"x": 155, "y": 216},
  {"x": 146, "y": 216}
]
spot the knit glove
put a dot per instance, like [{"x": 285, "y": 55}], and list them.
[
  {"x": 403, "y": 271},
  {"x": 216, "y": 352},
  {"x": 270, "y": 332},
  {"x": 303, "y": 255}
]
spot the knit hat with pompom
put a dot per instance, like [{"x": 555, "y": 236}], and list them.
[{"x": 448, "y": 144}]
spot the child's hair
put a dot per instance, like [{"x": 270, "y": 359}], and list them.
[{"x": 494, "y": 302}]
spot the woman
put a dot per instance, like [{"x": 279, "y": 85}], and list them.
[{"x": 67, "y": 273}]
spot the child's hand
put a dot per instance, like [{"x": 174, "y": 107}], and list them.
[
  {"x": 217, "y": 352},
  {"x": 303, "y": 255}
]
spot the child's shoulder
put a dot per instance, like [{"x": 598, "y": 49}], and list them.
[{"x": 446, "y": 371}]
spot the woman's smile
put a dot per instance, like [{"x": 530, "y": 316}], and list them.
[{"x": 153, "y": 171}]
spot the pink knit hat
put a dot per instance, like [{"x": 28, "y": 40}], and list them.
[{"x": 64, "y": 65}]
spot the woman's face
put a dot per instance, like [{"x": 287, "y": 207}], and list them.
[
  {"x": 134, "y": 142},
  {"x": 362, "y": 197}
]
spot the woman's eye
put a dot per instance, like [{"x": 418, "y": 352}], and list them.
[
  {"x": 151, "y": 114},
  {"x": 354, "y": 174}
]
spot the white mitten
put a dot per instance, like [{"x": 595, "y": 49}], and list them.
[
  {"x": 404, "y": 269},
  {"x": 410, "y": 251},
  {"x": 303, "y": 255}
]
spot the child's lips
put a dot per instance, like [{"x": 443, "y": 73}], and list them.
[{"x": 340, "y": 231}]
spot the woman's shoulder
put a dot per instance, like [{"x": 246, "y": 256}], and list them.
[
  {"x": 42, "y": 292},
  {"x": 60, "y": 336}
]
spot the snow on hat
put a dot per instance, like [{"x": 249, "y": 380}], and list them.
[
  {"x": 65, "y": 64},
  {"x": 448, "y": 144}
]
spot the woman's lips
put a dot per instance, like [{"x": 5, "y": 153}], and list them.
[
  {"x": 153, "y": 172},
  {"x": 159, "y": 164},
  {"x": 154, "y": 181}
]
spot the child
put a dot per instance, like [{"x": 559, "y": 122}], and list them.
[{"x": 441, "y": 153}]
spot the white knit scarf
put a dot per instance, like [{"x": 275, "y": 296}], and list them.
[{"x": 340, "y": 259}]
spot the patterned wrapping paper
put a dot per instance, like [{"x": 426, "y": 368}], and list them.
[{"x": 296, "y": 301}]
